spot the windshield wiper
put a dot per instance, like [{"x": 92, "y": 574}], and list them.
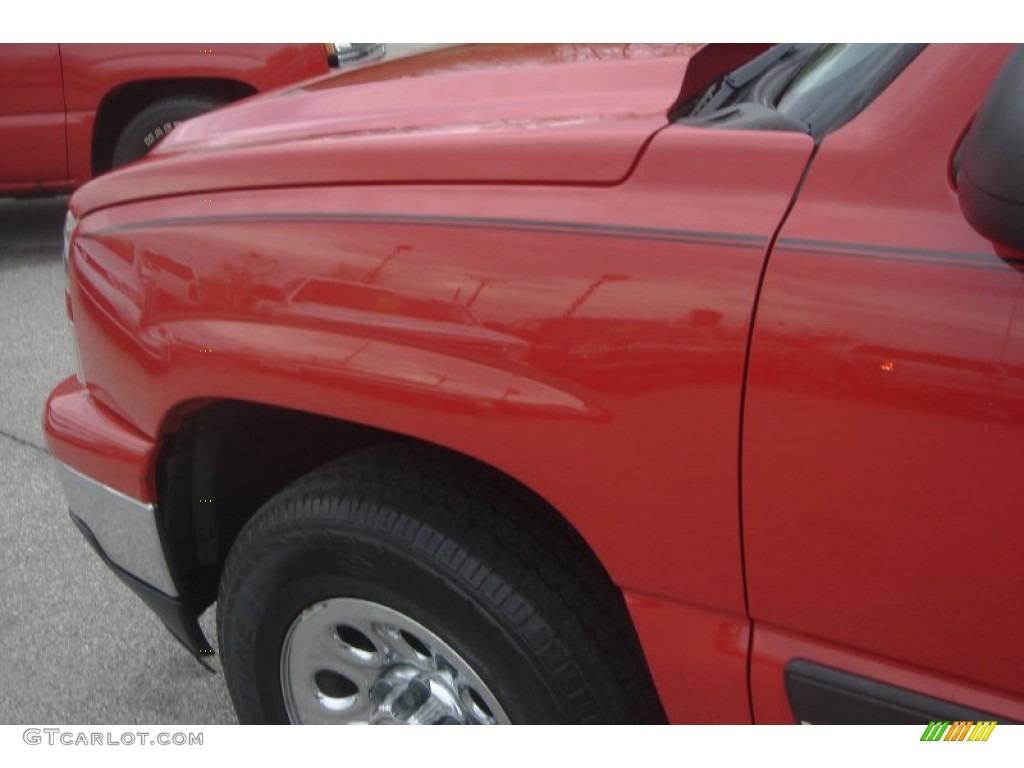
[{"x": 719, "y": 94}]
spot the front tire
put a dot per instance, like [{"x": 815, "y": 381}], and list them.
[{"x": 400, "y": 584}]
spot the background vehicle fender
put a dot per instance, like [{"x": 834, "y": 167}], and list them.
[{"x": 98, "y": 73}]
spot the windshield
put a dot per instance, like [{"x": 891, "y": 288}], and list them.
[{"x": 824, "y": 69}]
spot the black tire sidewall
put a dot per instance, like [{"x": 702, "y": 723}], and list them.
[
  {"x": 276, "y": 586},
  {"x": 131, "y": 143}
]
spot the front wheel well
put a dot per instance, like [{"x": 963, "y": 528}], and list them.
[
  {"x": 225, "y": 460},
  {"x": 120, "y": 105},
  {"x": 221, "y": 461}
]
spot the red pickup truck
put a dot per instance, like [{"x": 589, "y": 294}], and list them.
[
  {"x": 72, "y": 111},
  {"x": 572, "y": 384}
]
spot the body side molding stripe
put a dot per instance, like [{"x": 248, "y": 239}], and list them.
[
  {"x": 518, "y": 225},
  {"x": 683, "y": 236}
]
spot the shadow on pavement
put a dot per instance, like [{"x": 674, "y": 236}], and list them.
[{"x": 34, "y": 225}]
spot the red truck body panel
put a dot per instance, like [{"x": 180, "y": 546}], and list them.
[{"x": 432, "y": 321}]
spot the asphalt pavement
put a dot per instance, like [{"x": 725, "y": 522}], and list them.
[{"x": 76, "y": 646}]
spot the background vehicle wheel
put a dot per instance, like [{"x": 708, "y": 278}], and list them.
[
  {"x": 149, "y": 126},
  {"x": 401, "y": 584}
]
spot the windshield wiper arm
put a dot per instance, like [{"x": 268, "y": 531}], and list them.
[{"x": 719, "y": 94}]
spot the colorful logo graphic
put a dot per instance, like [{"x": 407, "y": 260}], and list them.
[{"x": 959, "y": 730}]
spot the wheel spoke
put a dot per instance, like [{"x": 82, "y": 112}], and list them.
[{"x": 394, "y": 639}]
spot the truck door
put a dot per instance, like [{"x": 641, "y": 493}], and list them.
[{"x": 882, "y": 480}]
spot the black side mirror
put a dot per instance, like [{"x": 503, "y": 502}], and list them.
[{"x": 991, "y": 180}]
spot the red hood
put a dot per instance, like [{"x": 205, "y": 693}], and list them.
[{"x": 548, "y": 113}]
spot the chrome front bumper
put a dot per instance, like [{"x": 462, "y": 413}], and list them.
[
  {"x": 124, "y": 529},
  {"x": 126, "y": 535}
]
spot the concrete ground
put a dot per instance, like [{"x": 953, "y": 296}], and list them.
[{"x": 76, "y": 646}]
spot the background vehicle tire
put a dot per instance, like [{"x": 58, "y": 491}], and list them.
[
  {"x": 150, "y": 125},
  {"x": 401, "y": 584}
]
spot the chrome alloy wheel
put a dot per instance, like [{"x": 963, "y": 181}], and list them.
[{"x": 354, "y": 661}]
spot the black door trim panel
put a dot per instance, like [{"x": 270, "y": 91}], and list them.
[{"x": 826, "y": 696}]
